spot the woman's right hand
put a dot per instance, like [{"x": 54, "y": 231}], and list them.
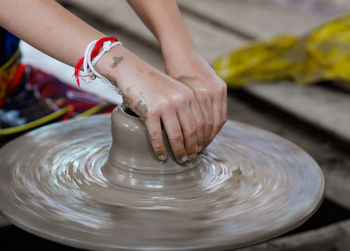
[{"x": 157, "y": 99}]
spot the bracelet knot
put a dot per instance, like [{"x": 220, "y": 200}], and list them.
[{"x": 94, "y": 52}]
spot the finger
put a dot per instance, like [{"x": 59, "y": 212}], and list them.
[
  {"x": 217, "y": 113},
  {"x": 207, "y": 109},
  {"x": 224, "y": 106},
  {"x": 199, "y": 120},
  {"x": 173, "y": 130},
  {"x": 189, "y": 130},
  {"x": 156, "y": 137}
]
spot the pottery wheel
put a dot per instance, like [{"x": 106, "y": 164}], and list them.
[{"x": 61, "y": 183}]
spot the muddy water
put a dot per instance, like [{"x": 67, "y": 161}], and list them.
[{"x": 60, "y": 182}]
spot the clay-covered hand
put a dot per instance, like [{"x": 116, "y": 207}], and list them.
[
  {"x": 209, "y": 90},
  {"x": 159, "y": 99}
]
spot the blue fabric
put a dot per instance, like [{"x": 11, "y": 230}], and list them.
[
  {"x": 8, "y": 45},
  {"x": 11, "y": 44}
]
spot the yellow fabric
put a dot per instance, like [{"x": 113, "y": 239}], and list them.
[
  {"x": 323, "y": 55},
  {"x": 93, "y": 110},
  {"x": 36, "y": 123}
]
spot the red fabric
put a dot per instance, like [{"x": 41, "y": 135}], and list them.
[
  {"x": 94, "y": 53},
  {"x": 18, "y": 75},
  {"x": 11, "y": 84},
  {"x": 77, "y": 69},
  {"x": 68, "y": 114}
]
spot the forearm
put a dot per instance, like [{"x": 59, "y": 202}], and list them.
[
  {"x": 47, "y": 26},
  {"x": 164, "y": 19}
]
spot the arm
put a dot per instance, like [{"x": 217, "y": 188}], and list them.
[
  {"x": 183, "y": 62},
  {"x": 154, "y": 96},
  {"x": 49, "y": 27}
]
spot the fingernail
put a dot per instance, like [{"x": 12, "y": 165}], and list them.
[
  {"x": 184, "y": 159},
  {"x": 162, "y": 157}
]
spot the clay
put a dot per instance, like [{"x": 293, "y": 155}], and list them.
[
  {"x": 141, "y": 108},
  {"x": 186, "y": 79},
  {"x": 67, "y": 183},
  {"x": 116, "y": 61},
  {"x": 206, "y": 105}
]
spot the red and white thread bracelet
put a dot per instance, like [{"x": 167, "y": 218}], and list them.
[{"x": 94, "y": 52}]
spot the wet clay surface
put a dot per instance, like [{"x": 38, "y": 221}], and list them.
[{"x": 58, "y": 182}]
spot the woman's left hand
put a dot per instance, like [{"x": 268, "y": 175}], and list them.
[{"x": 210, "y": 91}]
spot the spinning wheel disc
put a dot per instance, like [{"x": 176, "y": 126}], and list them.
[{"x": 249, "y": 185}]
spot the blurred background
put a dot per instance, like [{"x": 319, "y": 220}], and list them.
[{"x": 315, "y": 115}]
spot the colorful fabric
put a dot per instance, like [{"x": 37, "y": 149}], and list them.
[
  {"x": 30, "y": 98},
  {"x": 39, "y": 99},
  {"x": 323, "y": 55},
  {"x": 10, "y": 74},
  {"x": 9, "y": 64}
]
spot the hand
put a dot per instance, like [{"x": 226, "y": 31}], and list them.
[
  {"x": 210, "y": 91},
  {"x": 157, "y": 99}
]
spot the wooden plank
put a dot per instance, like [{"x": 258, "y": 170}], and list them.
[
  {"x": 260, "y": 19},
  {"x": 119, "y": 13},
  {"x": 324, "y": 108}
]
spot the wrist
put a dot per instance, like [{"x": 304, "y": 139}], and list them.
[
  {"x": 180, "y": 59},
  {"x": 177, "y": 48},
  {"x": 114, "y": 64},
  {"x": 183, "y": 63}
]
